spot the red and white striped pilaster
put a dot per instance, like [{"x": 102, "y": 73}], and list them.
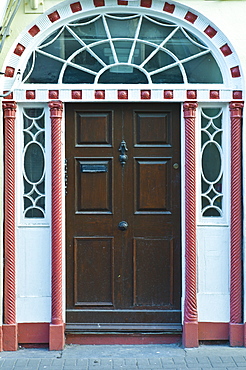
[
  {"x": 56, "y": 337},
  {"x": 10, "y": 342},
  {"x": 236, "y": 326},
  {"x": 190, "y": 325}
]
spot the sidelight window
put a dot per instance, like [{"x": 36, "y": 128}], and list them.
[
  {"x": 122, "y": 48},
  {"x": 34, "y": 163},
  {"x": 212, "y": 176}
]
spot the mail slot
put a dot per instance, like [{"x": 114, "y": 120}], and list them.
[{"x": 93, "y": 167}]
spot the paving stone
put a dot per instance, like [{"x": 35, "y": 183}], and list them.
[
  {"x": 83, "y": 362},
  {"x": 143, "y": 363},
  {"x": 130, "y": 362},
  {"x": 46, "y": 361},
  {"x": 155, "y": 363},
  {"x": 239, "y": 359},
  {"x": 167, "y": 361},
  {"x": 118, "y": 362}
]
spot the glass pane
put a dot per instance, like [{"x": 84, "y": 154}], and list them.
[
  {"x": 104, "y": 52},
  {"x": 211, "y": 162},
  {"x": 159, "y": 60},
  {"x": 211, "y": 212},
  {"x": 46, "y": 70},
  {"x": 85, "y": 59},
  {"x": 63, "y": 46},
  {"x": 33, "y": 112},
  {"x": 91, "y": 32},
  {"x": 122, "y": 49},
  {"x": 172, "y": 75},
  {"x": 123, "y": 75},
  {"x": 203, "y": 69},
  {"x": 74, "y": 75},
  {"x": 181, "y": 46},
  {"x": 154, "y": 32},
  {"x": 141, "y": 52},
  {"x": 121, "y": 28},
  {"x": 34, "y": 213},
  {"x": 34, "y": 163}
]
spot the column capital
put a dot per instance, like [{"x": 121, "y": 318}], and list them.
[
  {"x": 189, "y": 109},
  {"x": 9, "y": 109},
  {"x": 236, "y": 109},
  {"x": 56, "y": 109}
]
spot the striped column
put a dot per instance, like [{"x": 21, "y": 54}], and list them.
[
  {"x": 190, "y": 325},
  {"x": 56, "y": 337},
  {"x": 10, "y": 342},
  {"x": 236, "y": 326}
]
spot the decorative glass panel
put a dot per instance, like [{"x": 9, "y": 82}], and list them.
[
  {"x": 139, "y": 48},
  {"x": 34, "y": 162},
  {"x": 212, "y": 162}
]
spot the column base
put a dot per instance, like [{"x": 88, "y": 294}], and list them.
[
  {"x": 56, "y": 337},
  {"x": 190, "y": 334},
  {"x": 236, "y": 334},
  {"x": 10, "y": 339}
]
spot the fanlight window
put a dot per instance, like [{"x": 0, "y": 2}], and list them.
[{"x": 122, "y": 49}]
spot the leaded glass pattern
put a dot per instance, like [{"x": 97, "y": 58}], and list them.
[
  {"x": 34, "y": 166},
  {"x": 211, "y": 162},
  {"x": 122, "y": 48}
]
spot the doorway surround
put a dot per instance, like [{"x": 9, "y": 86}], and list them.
[{"x": 191, "y": 95}]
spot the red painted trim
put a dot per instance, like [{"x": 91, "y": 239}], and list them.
[
  {"x": 76, "y": 7},
  {"x": 236, "y": 221},
  {"x": 34, "y": 31},
  {"x": 9, "y": 72},
  {"x": 236, "y": 334},
  {"x": 210, "y": 31},
  {"x": 213, "y": 331},
  {"x": 99, "y": 3},
  {"x": 191, "y": 94},
  {"x": 33, "y": 332},
  {"x": 10, "y": 337},
  {"x": 169, "y": 8},
  {"x": 190, "y": 333},
  {"x": 191, "y": 17},
  {"x": 9, "y": 331},
  {"x": 92, "y": 339},
  {"x": 226, "y": 50},
  {"x": 146, "y": 3},
  {"x": 19, "y": 50},
  {"x": 53, "y": 17},
  {"x": 122, "y": 94},
  {"x": 56, "y": 335},
  {"x": 235, "y": 72},
  {"x": 145, "y": 94},
  {"x": 168, "y": 94},
  {"x": 237, "y": 94}
]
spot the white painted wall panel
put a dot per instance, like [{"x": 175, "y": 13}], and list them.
[
  {"x": 33, "y": 274},
  {"x": 213, "y": 273}
]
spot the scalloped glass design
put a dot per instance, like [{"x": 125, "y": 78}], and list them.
[
  {"x": 34, "y": 163},
  {"x": 140, "y": 49},
  {"x": 212, "y": 162}
]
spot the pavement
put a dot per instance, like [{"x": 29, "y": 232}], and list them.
[{"x": 128, "y": 357}]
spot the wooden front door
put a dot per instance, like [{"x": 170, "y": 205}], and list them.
[{"x": 123, "y": 216}]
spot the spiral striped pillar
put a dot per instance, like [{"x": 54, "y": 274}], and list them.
[
  {"x": 236, "y": 326},
  {"x": 190, "y": 326},
  {"x": 10, "y": 342},
  {"x": 56, "y": 337}
]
